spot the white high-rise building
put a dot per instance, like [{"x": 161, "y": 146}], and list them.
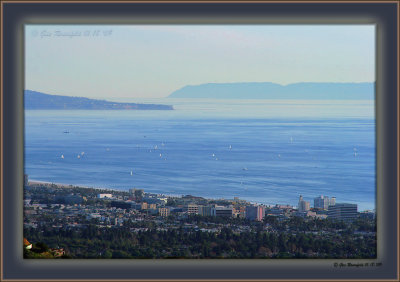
[
  {"x": 303, "y": 205},
  {"x": 323, "y": 202}
]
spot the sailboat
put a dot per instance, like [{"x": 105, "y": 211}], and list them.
[{"x": 131, "y": 172}]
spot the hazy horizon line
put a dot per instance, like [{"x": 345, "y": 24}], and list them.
[{"x": 241, "y": 82}]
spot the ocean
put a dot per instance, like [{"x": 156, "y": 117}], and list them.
[{"x": 268, "y": 152}]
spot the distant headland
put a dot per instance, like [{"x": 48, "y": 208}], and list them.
[
  {"x": 40, "y": 101},
  {"x": 269, "y": 90}
]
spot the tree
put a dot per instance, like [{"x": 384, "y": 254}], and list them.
[{"x": 40, "y": 247}]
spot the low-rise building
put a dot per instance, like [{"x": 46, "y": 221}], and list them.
[
  {"x": 192, "y": 209},
  {"x": 104, "y": 196},
  {"x": 367, "y": 214},
  {"x": 222, "y": 211},
  {"x": 164, "y": 212},
  {"x": 343, "y": 211},
  {"x": 205, "y": 210},
  {"x": 122, "y": 204},
  {"x": 144, "y": 206}
]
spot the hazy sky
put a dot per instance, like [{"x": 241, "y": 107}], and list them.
[{"x": 151, "y": 61}]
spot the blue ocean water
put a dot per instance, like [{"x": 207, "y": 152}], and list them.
[{"x": 266, "y": 152}]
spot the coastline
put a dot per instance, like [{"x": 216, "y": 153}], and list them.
[
  {"x": 64, "y": 185},
  {"x": 70, "y": 186}
]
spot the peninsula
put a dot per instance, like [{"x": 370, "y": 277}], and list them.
[
  {"x": 272, "y": 91},
  {"x": 40, "y": 101}
]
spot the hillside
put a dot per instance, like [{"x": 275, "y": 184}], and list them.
[
  {"x": 40, "y": 101},
  {"x": 269, "y": 90}
]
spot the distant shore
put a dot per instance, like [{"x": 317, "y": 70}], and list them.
[
  {"x": 63, "y": 185},
  {"x": 69, "y": 186}
]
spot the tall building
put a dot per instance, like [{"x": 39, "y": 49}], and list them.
[
  {"x": 139, "y": 193},
  {"x": 303, "y": 205},
  {"x": 25, "y": 179},
  {"x": 255, "y": 212},
  {"x": 323, "y": 202},
  {"x": 343, "y": 211}
]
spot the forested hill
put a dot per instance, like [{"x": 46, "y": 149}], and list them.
[
  {"x": 40, "y": 101},
  {"x": 269, "y": 90}
]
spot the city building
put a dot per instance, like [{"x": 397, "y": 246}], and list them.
[
  {"x": 242, "y": 211},
  {"x": 368, "y": 214},
  {"x": 205, "y": 210},
  {"x": 25, "y": 179},
  {"x": 275, "y": 211},
  {"x": 255, "y": 212},
  {"x": 102, "y": 196},
  {"x": 284, "y": 207},
  {"x": 303, "y": 206},
  {"x": 343, "y": 211},
  {"x": 177, "y": 210},
  {"x": 192, "y": 209},
  {"x": 137, "y": 193},
  {"x": 323, "y": 202},
  {"x": 236, "y": 212},
  {"x": 222, "y": 211},
  {"x": 164, "y": 212},
  {"x": 121, "y": 205}
]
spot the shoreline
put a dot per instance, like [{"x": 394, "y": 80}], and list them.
[{"x": 69, "y": 186}]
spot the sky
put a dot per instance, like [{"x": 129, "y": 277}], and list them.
[{"x": 152, "y": 61}]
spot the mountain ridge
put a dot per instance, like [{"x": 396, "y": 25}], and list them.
[
  {"x": 270, "y": 90},
  {"x": 35, "y": 100}
]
